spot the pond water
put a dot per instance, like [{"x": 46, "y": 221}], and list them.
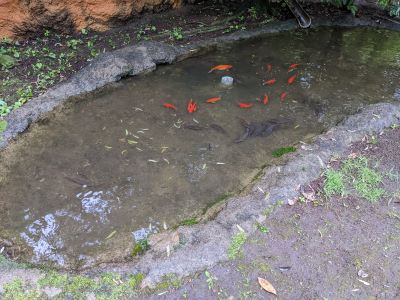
[{"x": 117, "y": 166}]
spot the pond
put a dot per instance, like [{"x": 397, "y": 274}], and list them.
[{"x": 107, "y": 171}]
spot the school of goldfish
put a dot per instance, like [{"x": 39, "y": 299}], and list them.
[{"x": 193, "y": 106}]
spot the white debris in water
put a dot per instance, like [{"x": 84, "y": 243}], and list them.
[
  {"x": 227, "y": 81},
  {"x": 152, "y": 160},
  {"x": 95, "y": 204},
  {"x": 42, "y": 236}
]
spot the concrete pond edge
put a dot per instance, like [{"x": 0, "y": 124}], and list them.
[{"x": 190, "y": 249}]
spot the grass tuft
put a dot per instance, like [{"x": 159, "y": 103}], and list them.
[{"x": 235, "y": 248}]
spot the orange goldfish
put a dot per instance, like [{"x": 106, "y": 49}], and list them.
[
  {"x": 213, "y": 100},
  {"x": 169, "y": 105},
  {"x": 283, "y": 96},
  {"x": 220, "y": 68},
  {"x": 245, "y": 105},
  {"x": 266, "y": 99},
  {"x": 291, "y": 79},
  {"x": 269, "y": 82},
  {"x": 293, "y": 66},
  {"x": 192, "y": 106},
  {"x": 269, "y": 67}
]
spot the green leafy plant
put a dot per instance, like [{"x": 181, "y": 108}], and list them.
[
  {"x": 6, "y": 61},
  {"x": 140, "y": 247},
  {"x": 348, "y": 4},
  {"x": 4, "y": 108},
  {"x": 73, "y": 44},
  {"x": 176, "y": 34}
]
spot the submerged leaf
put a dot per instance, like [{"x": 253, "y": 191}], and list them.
[
  {"x": 266, "y": 285},
  {"x": 131, "y": 142}
]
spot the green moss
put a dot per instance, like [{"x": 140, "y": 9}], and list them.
[
  {"x": 140, "y": 248},
  {"x": 188, "y": 222},
  {"x": 235, "y": 248},
  {"x": 18, "y": 290},
  {"x": 169, "y": 282},
  {"x": 109, "y": 286},
  {"x": 282, "y": 151}
]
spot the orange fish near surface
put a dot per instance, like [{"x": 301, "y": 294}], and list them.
[
  {"x": 283, "y": 96},
  {"x": 269, "y": 67},
  {"x": 245, "y": 105},
  {"x": 213, "y": 100},
  {"x": 266, "y": 99},
  {"x": 220, "y": 68},
  {"x": 169, "y": 105},
  {"x": 291, "y": 79},
  {"x": 293, "y": 66},
  {"x": 192, "y": 106},
  {"x": 269, "y": 82}
]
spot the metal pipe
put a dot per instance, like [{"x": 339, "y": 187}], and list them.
[{"x": 301, "y": 15}]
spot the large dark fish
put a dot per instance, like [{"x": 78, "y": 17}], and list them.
[
  {"x": 262, "y": 129},
  {"x": 218, "y": 128}
]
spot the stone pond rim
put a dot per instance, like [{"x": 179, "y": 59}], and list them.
[{"x": 129, "y": 61}]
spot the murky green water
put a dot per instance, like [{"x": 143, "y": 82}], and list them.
[{"x": 114, "y": 168}]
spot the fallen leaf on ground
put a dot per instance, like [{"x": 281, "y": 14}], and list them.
[{"x": 266, "y": 285}]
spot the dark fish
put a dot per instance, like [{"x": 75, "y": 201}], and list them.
[
  {"x": 218, "y": 128},
  {"x": 79, "y": 179},
  {"x": 262, "y": 129},
  {"x": 193, "y": 127}
]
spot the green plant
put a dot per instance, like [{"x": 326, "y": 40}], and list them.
[
  {"x": 261, "y": 228},
  {"x": 282, "y": 151},
  {"x": 4, "y": 108},
  {"x": 73, "y": 44},
  {"x": 17, "y": 290},
  {"x": 6, "y": 61},
  {"x": 176, "y": 34},
  {"x": 237, "y": 242},
  {"x": 252, "y": 11},
  {"x": 210, "y": 279},
  {"x": 357, "y": 174},
  {"x": 84, "y": 31},
  {"x": 334, "y": 183},
  {"x": 93, "y": 51},
  {"x": 3, "y": 125},
  {"x": 24, "y": 95},
  {"x": 140, "y": 247},
  {"x": 348, "y": 4}
]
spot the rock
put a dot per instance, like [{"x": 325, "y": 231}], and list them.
[{"x": 18, "y": 18}]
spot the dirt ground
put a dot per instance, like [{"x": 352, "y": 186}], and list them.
[{"x": 330, "y": 248}]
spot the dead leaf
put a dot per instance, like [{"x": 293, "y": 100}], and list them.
[{"x": 266, "y": 285}]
